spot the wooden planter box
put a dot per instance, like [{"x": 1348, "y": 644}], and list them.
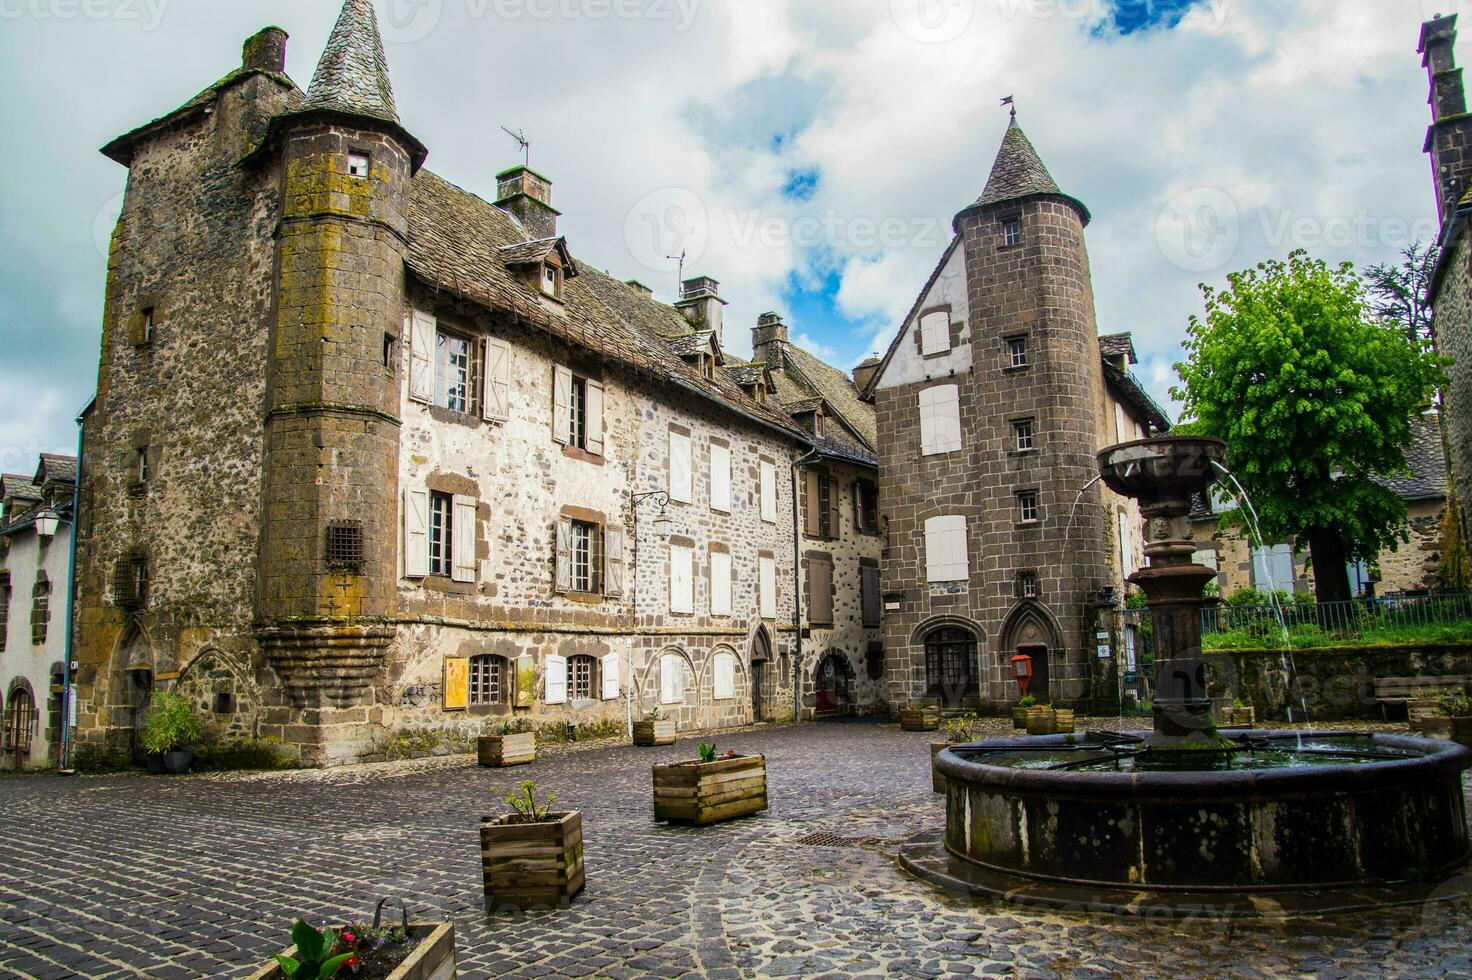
[
  {"x": 1062, "y": 721},
  {"x": 1462, "y": 731},
  {"x": 703, "y": 793},
  {"x": 532, "y": 865},
  {"x": 506, "y": 750},
  {"x": 1437, "y": 726},
  {"x": 655, "y": 732},
  {"x": 433, "y": 960},
  {"x": 937, "y": 781},
  {"x": 1417, "y": 712},
  {"x": 919, "y": 719},
  {"x": 1238, "y": 717},
  {"x": 1041, "y": 721},
  {"x": 1019, "y": 718}
]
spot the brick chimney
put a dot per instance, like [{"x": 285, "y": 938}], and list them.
[
  {"x": 265, "y": 51},
  {"x": 865, "y": 372},
  {"x": 768, "y": 338},
  {"x": 701, "y": 303},
  {"x": 1449, "y": 140},
  {"x": 527, "y": 196}
]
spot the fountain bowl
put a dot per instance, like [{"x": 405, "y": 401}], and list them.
[{"x": 1165, "y": 468}]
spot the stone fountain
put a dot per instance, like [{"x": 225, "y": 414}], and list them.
[{"x": 1182, "y": 819}]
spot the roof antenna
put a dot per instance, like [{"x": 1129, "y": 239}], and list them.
[
  {"x": 1011, "y": 101},
  {"x": 526, "y": 146},
  {"x": 679, "y": 286}
]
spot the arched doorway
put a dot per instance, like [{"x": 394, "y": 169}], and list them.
[
  {"x": 950, "y": 666},
  {"x": 761, "y": 658},
  {"x": 1031, "y": 632},
  {"x": 831, "y": 685},
  {"x": 135, "y": 688},
  {"x": 20, "y": 726}
]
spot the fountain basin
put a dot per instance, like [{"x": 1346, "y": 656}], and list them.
[{"x": 1308, "y": 827}]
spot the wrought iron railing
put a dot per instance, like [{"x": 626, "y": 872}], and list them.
[{"x": 1404, "y": 619}]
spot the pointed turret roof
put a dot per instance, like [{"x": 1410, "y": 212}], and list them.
[
  {"x": 352, "y": 76},
  {"x": 1019, "y": 172}
]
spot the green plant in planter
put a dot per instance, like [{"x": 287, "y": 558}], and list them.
[
  {"x": 314, "y": 959},
  {"x": 171, "y": 725},
  {"x": 505, "y": 729},
  {"x": 964, "y": 728},
  {"x": 707, "y": 752},
  {"x": 1456, "y": 705},
  {"x": 524, "y": 804},
  {"x": 652, "y": 716},
  {"x": 1028, "y": 701}
]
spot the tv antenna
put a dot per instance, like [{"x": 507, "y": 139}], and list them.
[
  {"x": 526, "y": 147},
  {"x": 680, "y": 283}
]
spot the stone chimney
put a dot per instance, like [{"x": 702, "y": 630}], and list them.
[
  {"x": 768, "y": 338},
  {"x": 1449, "y": 140},
  {"x": 865, "y": 372},
  {"x": 265, "y": 51},
  {"x": 639, "y": 287},
  {"x": 527, "y": 196},
  {"x": 701, "y": 303}
]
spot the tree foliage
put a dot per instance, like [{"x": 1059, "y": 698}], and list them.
[
  {"x": 1400, "y": 293},
  {"x": 1314, "y": 395}
]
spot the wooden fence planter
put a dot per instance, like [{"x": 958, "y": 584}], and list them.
[
  {"x": 1019, "y": 718},
  {"x": 1062, "y": 721},
  {"x": 434, "y": 959},
  {"x": 703, "y": 793},
  {"x": 1238, "y": 717},
  {"x": 1417, "y": 712},
  {"x": 655, "y": 732},
  {"x": 1041, "y": 721},
  {"x": 506, "y": 750},
  {"x": 919, "y": 719},
  {"x": 937, "y": 781},
  {"x": 532, "y": 865}
]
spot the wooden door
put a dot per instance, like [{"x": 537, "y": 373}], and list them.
[{"x": 20, "y": 719}]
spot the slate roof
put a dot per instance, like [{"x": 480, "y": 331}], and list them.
[
  {"x": 352, "y": 76},
  {"x": 745, "y": 373},
  {"x": 14, "y": 486},
  {"x": 837, "y": 390},
  {"x": 701, "y": 342},
  {"x": 1119, "y": 345},
  {"x": 1427, "y": 478},
  {"x": 1017, "y": 173},
  {"x": 55, "y": 469},
  {"x": 120, "y": 150}
]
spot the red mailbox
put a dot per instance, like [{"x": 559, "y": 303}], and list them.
[{"x": 1022, "y": 670}]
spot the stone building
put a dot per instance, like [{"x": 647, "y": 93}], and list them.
[
  {"x": 36, "y": 519},
  {"x": 1414, "y": 566},
  {"x": 991, "y": 403},
  {"x": 411, "y": 467}
]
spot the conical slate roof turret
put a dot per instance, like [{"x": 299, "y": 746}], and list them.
[
  {"x": 1020, "y": 173},
  {"x": 352, "y": 76}
]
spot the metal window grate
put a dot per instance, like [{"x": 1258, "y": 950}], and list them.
[{"x": 345, "y": 545}]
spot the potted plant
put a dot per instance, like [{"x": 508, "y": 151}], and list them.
[
  {"x": 1458, "y": 709},
  {"x": 404, "y": 952},
  {"x": 654, "y": 730},
  {"x": 958, "y": 731},
  {"x": 506, "y": 747},
  {"x": 532, "y": 857},
  {"x": 710, "y": 789},
  {"x": 170, "y": 732},
  {"x": 920, "y": 718},
  {"x": 1239, "y": 715},
  {"x": 1419, "y": 712},
  {"x": 1041, "y": 720},
  {"x": 1019, "y": 713}
]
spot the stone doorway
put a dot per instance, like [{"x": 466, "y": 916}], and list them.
[
  {"x": 1039, "y": 686},
  {"x": 20, "y": 724},
  {"x": 832, "y": 685},
  {"x": 761, "y": 656}
]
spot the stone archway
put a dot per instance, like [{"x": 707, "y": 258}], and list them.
[
  {"x": 1031, "y": 630},
  {"x": 833, "y": 685},
  {"x": 761, "y": 668},
  {"x": 133, "y": 686}
]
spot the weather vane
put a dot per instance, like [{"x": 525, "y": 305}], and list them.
[
  {"x": 1011, "y": 101},
  {"x": 680, "y": 284},
  {"x": 526, "y": 147}
]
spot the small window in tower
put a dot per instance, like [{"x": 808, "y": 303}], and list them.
[
  {"x": 388, "y": 350},
  {"x": 140, "y": 470},
  {"x": 1028, "y": 509},
  {"x": 145, "y": 330},
  {"x": 1017, "y": 352},
  {"x": 1022, "y": 434},
  {"x": 345, "y": 546},
  {"x": 1027, "y": 585},
  {"x": 358, "y": 165},
  {"x": 1012, "y": 232}
]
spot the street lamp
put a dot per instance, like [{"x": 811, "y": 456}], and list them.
[
  {"x": 663, "y": 523},
  {"x": 47, "y": 521}
]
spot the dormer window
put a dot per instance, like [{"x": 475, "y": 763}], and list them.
[
  {"x": 358, "y": 165},
  {"x": 552, "y": 280},
  {"x": 820, "y": 427}
]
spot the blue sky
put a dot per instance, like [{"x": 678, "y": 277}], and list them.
[{"x": 809, "y": 156}]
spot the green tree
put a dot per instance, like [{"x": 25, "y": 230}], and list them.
[
  {"x": 1314, "y": 395},
  {"x": 1400, "y": 293}
]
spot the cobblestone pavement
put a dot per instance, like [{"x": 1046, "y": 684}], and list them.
[{"x": 125, "y": 876}]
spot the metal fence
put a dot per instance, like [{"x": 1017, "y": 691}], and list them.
[{"x": 1324, "y": 623}]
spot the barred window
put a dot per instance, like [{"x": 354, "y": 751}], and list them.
[
  {"x": 488, "y": 680},
  {"x": 441, "y": 531},
  {"x": 1027, "y": 585},
  {"x": 581, "y": 672},
  {"x": 345, "y": 545}
]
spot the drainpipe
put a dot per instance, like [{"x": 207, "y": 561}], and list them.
[
  {"x": 812, "y": 456},
  {"x": 63, "y": 764}
]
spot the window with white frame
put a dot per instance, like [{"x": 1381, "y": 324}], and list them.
[
  {"x": 1022, "y": 436},
  {"x": 358, "y": 165},
  {"x": 946, "y": 558},
  {"x": 720, "y": 478},
  {"x": 768, "y": 490},
  {"x": 1012, "y": 232},
  {"x": 767, "y": 587},
  {"x": 452, "y": 375},
  {"x": 723, "y": 677},
  {"x": 590, "y": 556},
  {"x": 935, "y": 332},
  {"x": 681, "y": 479},
  {"x": 585, "y": 557},
  {"x": 940, "y": 420},
  {"x": 682, "y": 578},
  {"x": 1017, "y": 352},
  {"x": 672, "y": 679},
  {"x": 720, "y": 582},
  {"x": 441, "y": 534},
  {"x": 455, "y": 371},
  {"x": 1029, "y": 510},
  {"x": 577, "y": 411}
]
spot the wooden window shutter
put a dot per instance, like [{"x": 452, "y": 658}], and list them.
[
  {"x": 497, "y": 400},
  {"x": 613, "y": 560},
  {"x": 595, "y": 418},
  {"x": 720, "y": 583},
  {"x": 610, "y": 677},
  {"x": 767, "y": 588},
  {"x": 820, "y": 595},
  {"x": 421, "y": 357},
  {"x": 811, "y": 511},
  {"x": 564, "y": 554},
  {"x": 681, "y": 481},
  {"x": 682, "y": 578},
  {"x": 835, "y": 507},
  {"x": 457, "y": 683},
  {"x": 462, "y": 549},
  {"x": 869, "y": 588},
  {"x": 562, "y": 404},
  {"x": 555, "y": 680},
  {"x": 416, "y": 533},
  {"x": 720, "y": 478}
]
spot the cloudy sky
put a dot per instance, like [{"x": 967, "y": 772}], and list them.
[{"x": 808, "y": 155}]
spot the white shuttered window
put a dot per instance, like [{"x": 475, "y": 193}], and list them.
[
  {"x": 610, "y": 677},
  {"x": 935, "y": 332},
  {"x": 767, "y": 587},
  {"x": 720, "y": 583},
  {"x": 768, "y": 471},
  {"x": 940, "y": 420},
  {"x": 671, "y": 679},
  {"x": 556, "y": 680},
  {"x": 945, "y": 550},
  {"x": 462, "y": 551},
  {"x": 682, "y": 578},
  {"x": 416, "y": 533},
  {"x": 422, "y": 329},
  {"x": 724, "y": 677},
  {"x": 720, "y": 478},
  {"x": 680, "y": 471},
  {"x": 497, "y": 396}
]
